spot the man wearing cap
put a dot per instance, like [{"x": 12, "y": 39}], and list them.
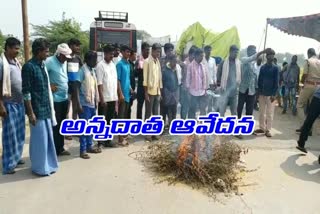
[{"x": 57, "y": 70}]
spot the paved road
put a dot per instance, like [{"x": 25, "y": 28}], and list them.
[{"x": 113, "y": 182}]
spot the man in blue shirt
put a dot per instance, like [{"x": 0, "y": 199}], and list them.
[
  {"x": 267, "y": 85},
  {"x": 313, "y": 114},
  {"x": 57, "y": 70},
  {"x": 123, "y": 72}
]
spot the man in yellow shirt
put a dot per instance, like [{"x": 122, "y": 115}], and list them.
[{"x": 152, "y": 83}]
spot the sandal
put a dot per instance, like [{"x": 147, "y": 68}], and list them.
[
  {"x": 84, "y": 156},
  {"x": 94, "y": 150}
]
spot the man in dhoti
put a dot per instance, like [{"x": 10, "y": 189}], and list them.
[
  {"x": 40, "y": 110},
  {"x": 11, "y": 107}
]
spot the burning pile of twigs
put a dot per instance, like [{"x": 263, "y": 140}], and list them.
[{"x": 198, "y": 162}]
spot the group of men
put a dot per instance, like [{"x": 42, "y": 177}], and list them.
[{"x": 47, "y": 88}]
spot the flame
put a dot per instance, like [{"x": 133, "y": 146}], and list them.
[{"x": 190, "y": 149}]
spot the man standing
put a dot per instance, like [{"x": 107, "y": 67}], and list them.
[
  {"x": 123, "y": 74},
  {"x": 57, "y": 70},
  {"x": 229, "y": 78},
  {"x": 73, "y": 66},
  {"x": 268, "y": 83},
  {"x": 88, "y": 100},
  {"x": 311, "y": 80},
  {"x": 184, "y": 94},
  {"x": 211, "y": 67},
  {"x": 152, "y": 82},
  {"x": 108, "y": 86},
  {"x": 247, "y": 88},
  {"x": 196, "y": 83},
  {"x": 116, "y": 54},
  {"x": 40, "y": 110},
  {"x": 145, "y": 48},
  {"x": 11, "y": 107},
  {"x": 170, "y": 88},
  {"x": 291, "y": 81},
  {"x": 168, "y": 50},
  {"x": 132, "y": 60},
  {"x": 313, "y": 114}
]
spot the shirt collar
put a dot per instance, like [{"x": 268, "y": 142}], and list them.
[
  {"x": 154, "y": 59},
  {"x": 124, "y": 60},
  {"x": 107, "y": 62},
  {"x": 36, "y": 61}
]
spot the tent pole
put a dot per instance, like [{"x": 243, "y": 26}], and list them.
[{"x": 265, "y": 38}]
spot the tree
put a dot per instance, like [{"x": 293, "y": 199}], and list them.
[
  {"x": 286, "y": 57},
  {"x": 57, "y": 32},
  {"x": 143, "y": 35},
  {"x": 2, "y": 41}
]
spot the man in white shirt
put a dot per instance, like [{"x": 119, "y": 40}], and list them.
[
  {"x": 108, "y": 87},
  {"x": 210, "y": 63}
]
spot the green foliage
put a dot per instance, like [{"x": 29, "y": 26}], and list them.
[
  {"x": 281, "y": 57},
  {"x": 2, "y": 41},
  {"x": 286, "y": 57},
  {"x": 57, "y": 32}
]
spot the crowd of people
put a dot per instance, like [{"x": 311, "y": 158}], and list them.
[{"x": 47, "y": 88}]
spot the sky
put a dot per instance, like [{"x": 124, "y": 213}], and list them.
[{"x": 169, "y": 17}]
